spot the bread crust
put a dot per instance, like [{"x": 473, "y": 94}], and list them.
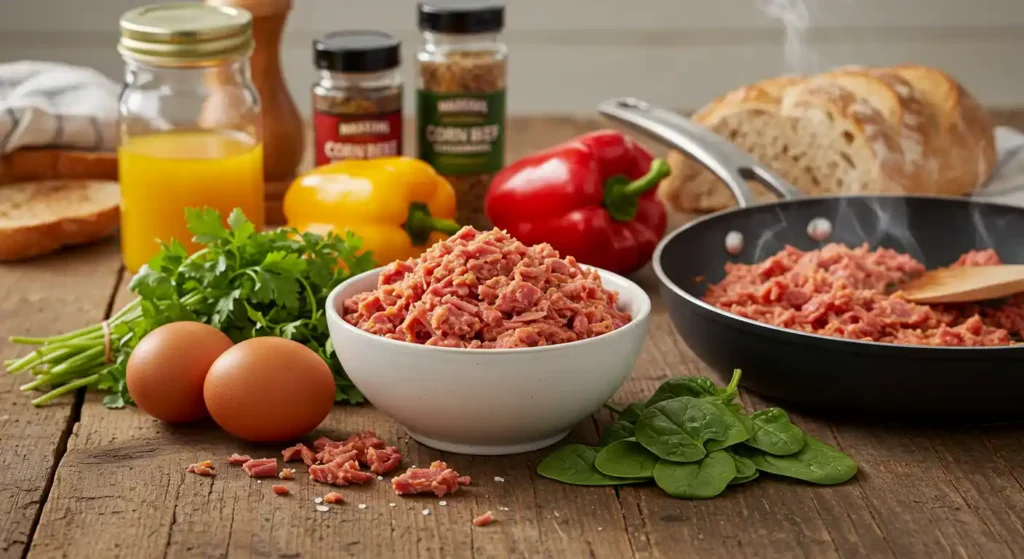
[
  {"x": 48, "y": 164},
  {"x": 926, "y": 133},
  {"x": 39, "y": 217}
]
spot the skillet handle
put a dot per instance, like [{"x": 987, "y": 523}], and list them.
[{"x": 722, "y": 158}]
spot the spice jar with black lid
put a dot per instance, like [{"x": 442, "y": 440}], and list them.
[
  {"x": 461, "y": 97},
  {"x": 357, "y": 102}
]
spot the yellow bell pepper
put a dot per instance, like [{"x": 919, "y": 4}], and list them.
[{"x": 400, "y": 206}]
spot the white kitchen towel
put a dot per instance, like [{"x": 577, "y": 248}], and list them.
[
  {"x": 48, "y": 104},
  {"x": 1007, "y": 182}
]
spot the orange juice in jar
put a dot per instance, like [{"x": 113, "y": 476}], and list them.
[{"x": 188, "y": 123}]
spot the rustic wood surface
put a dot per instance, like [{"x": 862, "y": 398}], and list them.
[{"x": 78, "y": 480}]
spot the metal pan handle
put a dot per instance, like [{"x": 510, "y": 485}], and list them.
[{"x": 725, "y": 160}]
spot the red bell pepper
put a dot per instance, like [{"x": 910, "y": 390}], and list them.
[{"x": 592, "y": 197}]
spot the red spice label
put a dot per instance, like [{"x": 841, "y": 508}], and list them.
[{"x": 367, "y": 136}]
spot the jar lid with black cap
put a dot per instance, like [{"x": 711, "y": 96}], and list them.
[
  {"x": 462, "y": 17},
  {"x": 357, "y": 102}
]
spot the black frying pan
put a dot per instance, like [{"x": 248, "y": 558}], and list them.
[{"x": 818, "y": 373}]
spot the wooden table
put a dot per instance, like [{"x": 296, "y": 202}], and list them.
[{"x": 78, "y": 480}]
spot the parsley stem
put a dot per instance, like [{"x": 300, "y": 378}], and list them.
[
  {"x": 69, "y": 387},
  {"x": 79, "y": 359}
]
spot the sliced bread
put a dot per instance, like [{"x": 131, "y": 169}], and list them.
[
  {"x": 907, "y": 129},
  {"x": 38, "y": 217}
]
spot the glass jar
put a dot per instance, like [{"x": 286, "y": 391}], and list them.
[
  {"x": 189, "y": 123},
  {"x": 461, "y": 98},
  {"x": 357, "y": 102}
]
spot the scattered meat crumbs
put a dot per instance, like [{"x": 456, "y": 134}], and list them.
[
  {"x": 261, "y": 467},
  {"x": 383, "y": 460},
  {"x": 340, "y": 472},
  {"x": 439, "y": 479},
  {"x": 464, "y": 480},
  {"x": 484, "y": 519},
  {"x": 842, "y": 292},
  {"x": 287, "y": 473},
  {"x": 486, "y": 290},
  {"x": 280, "y": 490},
  {"x": 237, "y": 459},
  {"x": 299, "y": 452},
  {"x": 204, "y": 468},
  {"x": 333, "y": 498}
]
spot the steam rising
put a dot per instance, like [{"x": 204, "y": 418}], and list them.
[
  {"x": 795, "y": 19},
  {"x": 884, "y": 222}
]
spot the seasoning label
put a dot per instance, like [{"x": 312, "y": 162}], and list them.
[
  {"x": 462, "y": 133},
  {"x": 364, "y": 136}
]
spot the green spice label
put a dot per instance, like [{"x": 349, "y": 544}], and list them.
[{"x": 462, "y": 133}]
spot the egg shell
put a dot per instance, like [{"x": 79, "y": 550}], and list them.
[
  {"x": 167, "y": 368},
  {"x": 269, "y": 389}
]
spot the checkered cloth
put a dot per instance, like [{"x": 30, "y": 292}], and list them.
[{"x": 46, "y": 104}]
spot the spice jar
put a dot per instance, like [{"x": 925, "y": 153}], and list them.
[
  {"x": 461, "y": 98},
  {"x": 180, "y": 58},
  {"x": 357, "y": 103}
]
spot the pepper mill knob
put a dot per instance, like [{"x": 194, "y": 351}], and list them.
[{"x": 283, "y": 136}]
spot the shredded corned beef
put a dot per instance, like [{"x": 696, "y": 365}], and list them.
[
  {"x": 261, "y": 467},
  {"x": 299, "y": 452},
  {"x": 280, "y": 490},
  {"x": 486, "y": 290},
  {"x": 383, "y": 460},
  {"x": 439, "y": 479},
  {"x": 204, "y": 468},
  {"x": 339, "y": 472},
  {"x": 842, "y": 292},
  {"x": 484, "y": 519},
  {"x": 334, "y": 498},
  {"x": 237, "y": 459}
]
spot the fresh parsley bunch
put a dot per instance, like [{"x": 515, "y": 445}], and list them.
[{"x": 244, "y": 282}]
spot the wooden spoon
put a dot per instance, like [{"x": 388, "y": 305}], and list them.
[{"x": 965, "y": 285}]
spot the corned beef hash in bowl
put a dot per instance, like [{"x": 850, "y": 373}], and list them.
[{"x": 483, "y": 345}]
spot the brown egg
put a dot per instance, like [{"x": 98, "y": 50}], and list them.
[
  {"x": 166, "y": 370},
  {"x": 269, "y": 389}
]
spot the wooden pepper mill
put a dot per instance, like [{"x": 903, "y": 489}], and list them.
[{"x": 283, "y": 136}]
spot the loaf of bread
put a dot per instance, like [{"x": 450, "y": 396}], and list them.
[
  {"x": 54, "y": 198},
  {"x": 904, "y": 129}
]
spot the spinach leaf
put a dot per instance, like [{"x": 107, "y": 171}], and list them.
[
  {"x": 694, "y": 387},
  {"x": 574, "y": 464},
  {"x": 816, "y": 462},
  {"x": 616, "y": 432},
  {"x": 737, "y": 426},
  {"x": 774, "y": 433},
  {"x": 626, "y": 458},
  {"x": 745, "y": 470},
  {"x": 676, "y": 429},
  {"x": 743, "y": 479},
  {"x": 632, "y": 412},
  {"x": 698, "y": 480}
]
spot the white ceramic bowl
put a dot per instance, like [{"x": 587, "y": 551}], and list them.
[{"x": 489, "y": 401}]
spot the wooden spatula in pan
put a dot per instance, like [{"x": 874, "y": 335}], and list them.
[{"x": 965, "y": 285}]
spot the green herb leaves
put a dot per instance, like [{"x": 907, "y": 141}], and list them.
[
  {"x": 627, "y": 459},
  {"x": 773, "y": 432},
  {"x": 696, "y": 480},
  {"x": 816, "y": 462},
  {"x": 574, "y": 464},
  {"x": 694, "y": 440},
  {"x": 244, "y": 282}
]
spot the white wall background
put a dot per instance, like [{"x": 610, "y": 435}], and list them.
[{"x": 568, "y": 54}]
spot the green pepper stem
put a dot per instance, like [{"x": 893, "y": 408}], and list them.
[
  {"x": 621, "y": 194},
  {"x": 420, "y": 224},
  {"x": 658, "y": 171}
]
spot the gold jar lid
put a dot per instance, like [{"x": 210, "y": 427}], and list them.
[{"x": 185, "y": 34}]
